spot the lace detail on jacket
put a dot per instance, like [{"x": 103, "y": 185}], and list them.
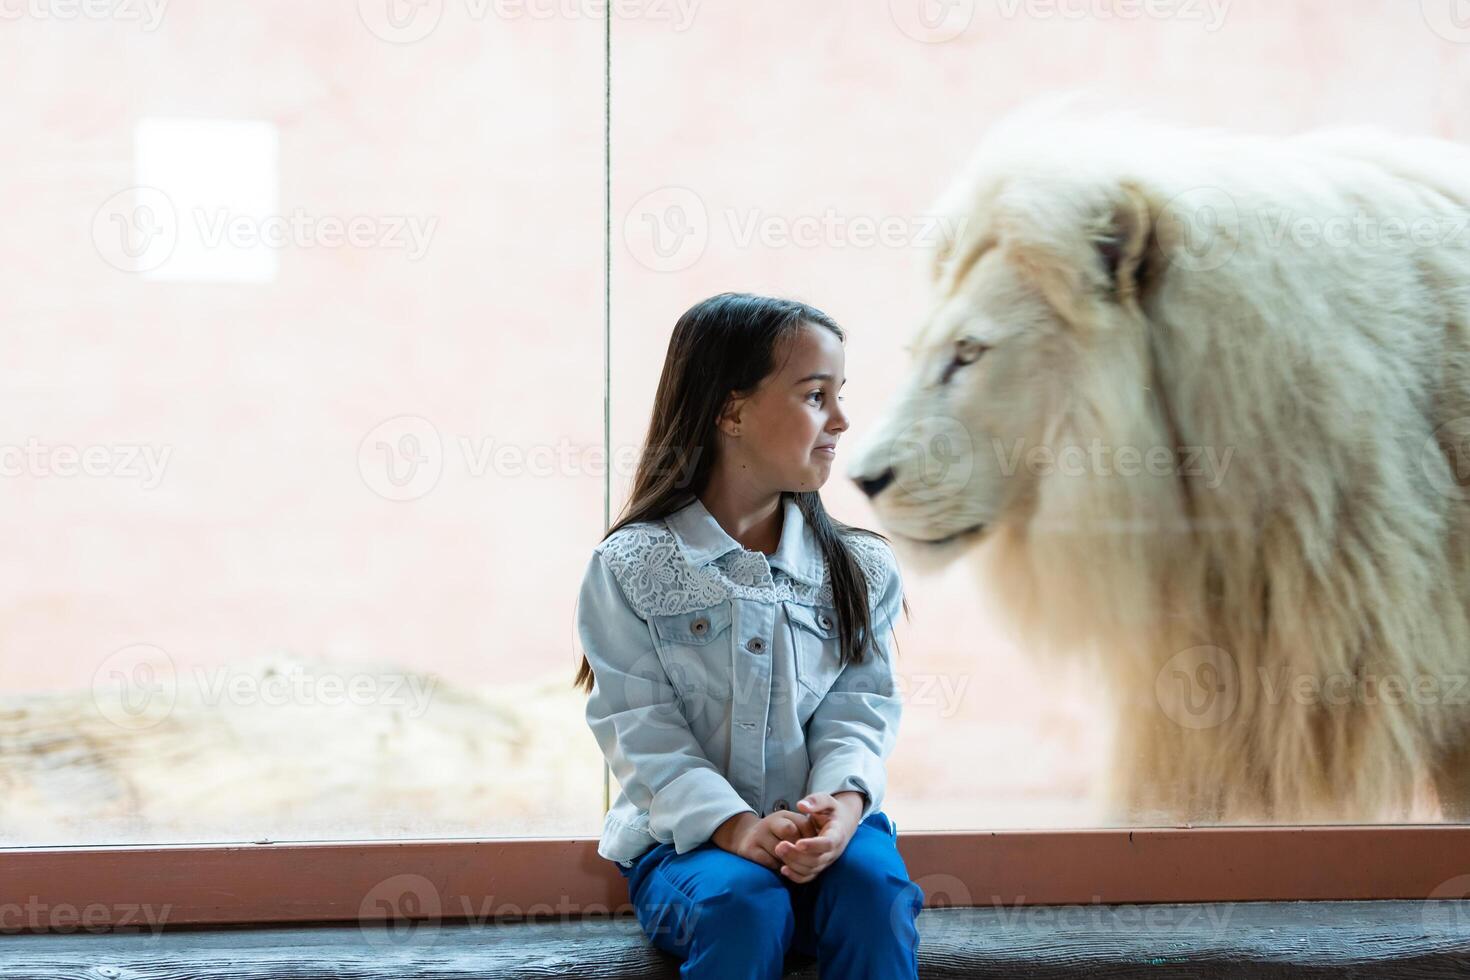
[{"x": 658, "y": 580}]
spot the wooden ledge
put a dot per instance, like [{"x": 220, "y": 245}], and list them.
[{"x": 1398, "y": 939}]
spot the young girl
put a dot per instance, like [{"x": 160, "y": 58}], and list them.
[{"x": 738, "y": 662}]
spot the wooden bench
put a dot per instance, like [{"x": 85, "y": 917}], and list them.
[{"x": 1249, "y": 939}]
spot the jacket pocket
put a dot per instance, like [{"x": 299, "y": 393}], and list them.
[
  {"x": 695, "y": 649},
  {"x": 814, "y": 640}
]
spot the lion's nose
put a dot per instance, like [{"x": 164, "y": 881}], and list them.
[{"x": 872, "y": 486}]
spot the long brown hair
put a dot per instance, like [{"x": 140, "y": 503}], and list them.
[{"x": 721, "y": 346}]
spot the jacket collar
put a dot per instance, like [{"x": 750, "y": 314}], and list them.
[{"x": 702, "y": 540}]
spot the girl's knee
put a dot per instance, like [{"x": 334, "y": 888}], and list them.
[
  {"x": 748, "y": 898},
  {"x": 757, "y": 894},
  {"x": 749, "y": 921},
  {"x": 877, "y": 901},
  {"x": 876, "y": 881}
]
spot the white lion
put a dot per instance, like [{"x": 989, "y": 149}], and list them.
[{"x": 1202, "y": 400}]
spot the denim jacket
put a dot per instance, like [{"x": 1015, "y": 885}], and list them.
[{"x": 718, "y": 688}]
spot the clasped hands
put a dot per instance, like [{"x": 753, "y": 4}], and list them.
[{"x": 800, "y": 844}]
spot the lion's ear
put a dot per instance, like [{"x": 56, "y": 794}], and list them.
[{"x": 1123, "y": 246}]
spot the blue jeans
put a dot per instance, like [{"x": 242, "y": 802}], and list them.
[{"x": 726, "y": 916}]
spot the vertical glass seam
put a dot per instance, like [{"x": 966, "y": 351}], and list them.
[{"x": 606, "y": 309}]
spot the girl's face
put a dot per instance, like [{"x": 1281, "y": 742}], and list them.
[{"x": 790, "y": 426}]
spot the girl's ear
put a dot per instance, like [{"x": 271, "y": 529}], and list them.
[{"x": 729, "y": 420}]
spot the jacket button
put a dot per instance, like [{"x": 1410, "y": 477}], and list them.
[
  {"x": 781, "y": 805},
  {"x": 755, "y": 645},
  {"x": 699, "y": 626},
  {"x": 824, "y": 621}
]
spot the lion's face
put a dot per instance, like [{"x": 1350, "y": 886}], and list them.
[
  {"x": 984, "y": 372},
  {"x": 1032, "y": 333}
]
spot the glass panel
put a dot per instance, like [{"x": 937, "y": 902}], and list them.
[
  {"x": 799, "y": 150},
  {"x": 303, "y": 419}
]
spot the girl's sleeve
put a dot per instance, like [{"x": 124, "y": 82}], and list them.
[
  {"x": 853, "y": 730},
  {"x": 635, "y": 716}
]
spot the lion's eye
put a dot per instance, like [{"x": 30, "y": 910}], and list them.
[{"x": 967, "y": 350}]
